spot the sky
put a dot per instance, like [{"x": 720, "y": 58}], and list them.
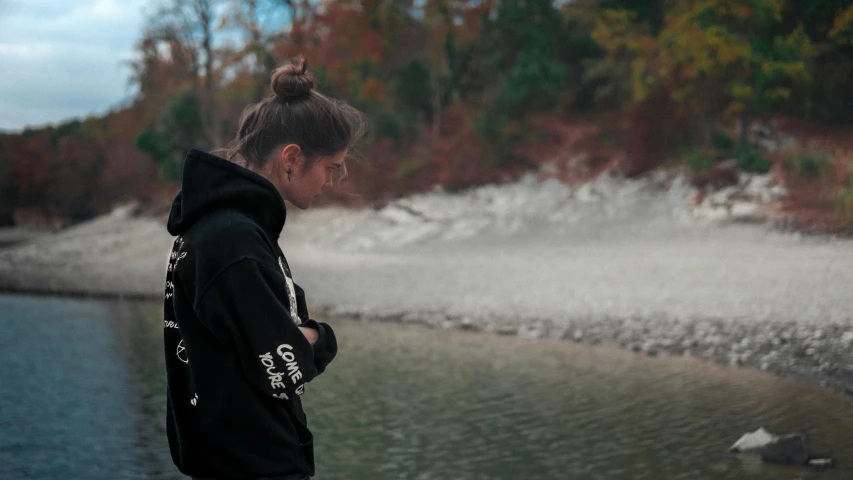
[{"x": 63, "y": 59}]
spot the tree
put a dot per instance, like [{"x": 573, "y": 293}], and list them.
[
  {"x": 714, "y": 56},
  {"x": 527, "y": 68},
  {"x": 182, "y": 127},
  {"x": 775, "y": 69},
  {"x": 826, "y": 23},
  {"x": 190, "y": 25},
  {"x": 8, "y": 181},
  {"x": 302, "y": 14},
  {"x": 439, "y": 31}
]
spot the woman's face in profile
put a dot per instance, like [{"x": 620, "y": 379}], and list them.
[{"x": 305, "y": 186}]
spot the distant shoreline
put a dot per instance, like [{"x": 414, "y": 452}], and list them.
[
  {"x": 80, "y": 294},
  {"x": 843, "y": 384}
]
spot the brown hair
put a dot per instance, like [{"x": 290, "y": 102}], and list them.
[{"x": 295, "y": 113}]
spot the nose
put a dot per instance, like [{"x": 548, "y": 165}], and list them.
[{"x": 322, "y": 188}]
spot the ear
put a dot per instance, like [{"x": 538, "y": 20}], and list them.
[{"x": 291, "y": 156}]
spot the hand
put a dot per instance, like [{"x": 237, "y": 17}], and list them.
[{"x": 310, "y": 334}]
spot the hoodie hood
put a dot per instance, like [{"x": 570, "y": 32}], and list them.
[{"x": 212, "y": 183}]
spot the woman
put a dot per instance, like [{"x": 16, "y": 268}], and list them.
[{"x": 238, "y": 340}]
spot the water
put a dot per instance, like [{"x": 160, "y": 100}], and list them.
[{"x": 81, "y": 396}]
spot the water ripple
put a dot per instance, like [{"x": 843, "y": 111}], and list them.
[{"x": 404, "y": 402}]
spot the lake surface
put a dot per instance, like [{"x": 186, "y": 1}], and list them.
[{"x": 82, "y": 382}]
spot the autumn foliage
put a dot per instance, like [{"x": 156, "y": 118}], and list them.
[{"x": 458, "y": 92}]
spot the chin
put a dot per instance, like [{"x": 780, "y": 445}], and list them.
[{"x": 300, "y": 205}]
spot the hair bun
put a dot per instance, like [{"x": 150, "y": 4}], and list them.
[{"x": 292, "y": 81}]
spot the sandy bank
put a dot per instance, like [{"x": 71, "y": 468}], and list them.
[{"x": 625, "y": 263}]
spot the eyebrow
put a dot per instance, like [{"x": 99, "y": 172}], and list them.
[{"x": 337, "y": 165}]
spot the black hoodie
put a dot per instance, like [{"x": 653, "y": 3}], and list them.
[{"x": 236, "y": 361}]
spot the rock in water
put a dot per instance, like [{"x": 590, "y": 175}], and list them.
[
  {"x": 821, "y": 463},
  {"x": 785, "y": 449},
  {"x": 751, "y": 441}
]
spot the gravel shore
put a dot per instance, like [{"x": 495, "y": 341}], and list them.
[{"x": 628, "y": 265}]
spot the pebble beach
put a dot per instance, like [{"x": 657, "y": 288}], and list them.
[{"x": 635, "y": 263}]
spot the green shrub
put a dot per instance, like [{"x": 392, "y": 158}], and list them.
[
  {"x": 697, "y": 161},
  {"x": 535, "y": 82},
  {"x": 810, "y": 166},
  {"x": 722, "y": 141},
  {"x": 158, "y": 146},
  {"x": 751, "y": 160}
]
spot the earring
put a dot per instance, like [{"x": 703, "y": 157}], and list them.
[{"x": 288, "y": 174}]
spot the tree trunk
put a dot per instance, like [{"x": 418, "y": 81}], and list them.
[
  {"x": 436, "y": 112},
  {"x": 204, "y": 11},
  {"x": 301, "y": 12},
  {"x": 745, "y": 122},
  {"x": 208, "y": 81},
  {"x": 706, "y": 127},
  {"x": 809, "y": 94}
]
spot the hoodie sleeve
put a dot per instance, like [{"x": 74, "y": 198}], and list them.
[
  {"x": 248, "y": 304},
  {"x": 326, "y": 346}
]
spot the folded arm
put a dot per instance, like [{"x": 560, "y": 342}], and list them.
[
  {"x": 248, "y": 304},
  {"x": 325, "y": 345}
]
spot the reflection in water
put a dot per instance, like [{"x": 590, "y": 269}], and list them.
[
  {"x": 82, "y": 396},
  {"x": 138, "y": 328}
]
